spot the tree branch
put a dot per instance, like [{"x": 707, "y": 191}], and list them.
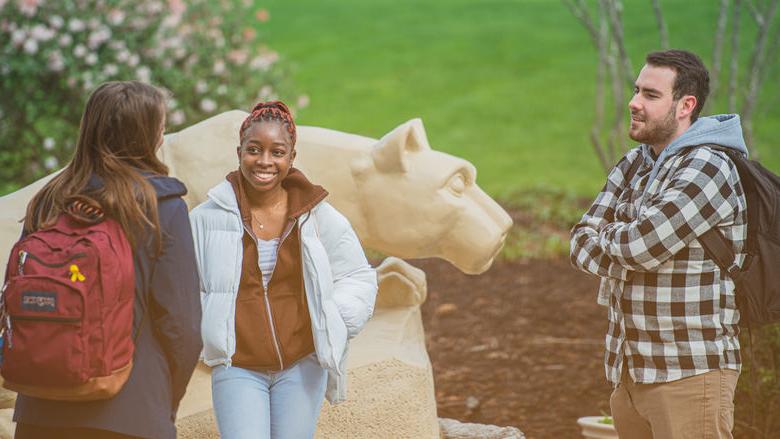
[
  {"x": 755, "y": 13},
  {"x": 614, "y": 9},
  {"x": 717, "y": 51},
  {"x": 757, "y": 65},
  {"x": 663, "y": 31},
  {"x": 581, "y": 13},
  {"x": 734, "y": 64}
]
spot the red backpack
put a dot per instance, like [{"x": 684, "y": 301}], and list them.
[{"x": 67, "y": 310}]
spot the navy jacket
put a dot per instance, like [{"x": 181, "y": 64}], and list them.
[{"x": 167, "y": 314}]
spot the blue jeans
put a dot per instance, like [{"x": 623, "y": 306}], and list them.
[{"x": 275, "y": 405}]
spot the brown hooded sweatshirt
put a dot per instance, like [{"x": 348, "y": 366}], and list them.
[{"x": 273, "y": 328}]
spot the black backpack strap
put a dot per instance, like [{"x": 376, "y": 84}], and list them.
[{"x": 717, "y": 247}]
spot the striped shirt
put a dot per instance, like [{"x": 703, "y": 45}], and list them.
[
  {"x": 267, "y": 252},
  {"x": 672, "y": 313}
]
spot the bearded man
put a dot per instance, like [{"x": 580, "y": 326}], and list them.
[{"x": 672, "y": 352}]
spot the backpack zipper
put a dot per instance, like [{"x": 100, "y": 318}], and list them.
[
  {"x": 48, "y": 319},
  {"x": 24, "y": 255}
]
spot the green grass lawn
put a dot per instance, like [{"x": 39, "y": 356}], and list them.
[{"x": 506, "y": 84}]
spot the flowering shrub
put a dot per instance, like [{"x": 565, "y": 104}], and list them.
[{"x": 208, "y": 53}]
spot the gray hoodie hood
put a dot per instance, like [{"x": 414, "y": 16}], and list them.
[{"x": 722, "y": 129}]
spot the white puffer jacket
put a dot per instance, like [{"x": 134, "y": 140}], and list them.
[{"x": 340, "y": 284}]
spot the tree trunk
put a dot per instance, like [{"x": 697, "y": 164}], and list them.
[
  {"x": 717, "y": 51},
  {"x": 734, "y": 65},
  {"x": 663, "y": 31},
  {"x": 757, "y": 65}
]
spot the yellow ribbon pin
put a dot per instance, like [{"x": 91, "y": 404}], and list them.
[{"x": 75, "y": 274}]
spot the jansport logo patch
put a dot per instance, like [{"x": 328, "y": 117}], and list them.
[{"x": 40, "y": 301}]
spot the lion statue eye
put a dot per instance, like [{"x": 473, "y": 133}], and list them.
[{"x": 457, "y": 184}]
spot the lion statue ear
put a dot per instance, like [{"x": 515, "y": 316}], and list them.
[{"x": 389, "y": 153}]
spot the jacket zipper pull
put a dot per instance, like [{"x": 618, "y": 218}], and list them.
[{"x": 22, "y": 259}]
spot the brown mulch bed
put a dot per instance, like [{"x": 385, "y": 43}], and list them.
[{"x": 520, "y": 345}]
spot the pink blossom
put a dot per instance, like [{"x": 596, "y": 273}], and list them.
[
  {"x": 177, "y": 117},
  {"x": 249, "y": 34},
  {"x": 49, "y": 143},
  {"x": 117, "y": 45},
  {"x": 110, "y": 69},
  {"x": 219, "y": 67},
  {"x": 238, "y": 56},
  {"x": 116, "y": 17},
  {"x": 122, "y": 56},
  {"x": 143, "y": 73},
  {"x": 41, "y": 33},
  {"x": 51, "y": 163},
  {"x": 265, "y": 92},
  {"x": 208, "y": 105},
  {"x": 98, "y": 37},
  {"x": 28, "y": 7},
  {"x": 264, "y": 61},
  {"x": 154, "y": 7},
  {"x": 303, "y": 101},
  {"x": 30, "y": 47},
  {"x": 91, "y": 59},
  {"x": 262, "y": 15},
  {"x": 79, "y": 51},
  {"x": 201, "y": 86},
  {"x": 177, "y": 7},
  {"x": 18, "y": 36},
  {"x": 55, "y": 61},
  {"x": 65, "y": 40},
  {"x": 171, "y": 21},
  {"x": 76, "y": 25},
  {"x": 56, "y": 21}
]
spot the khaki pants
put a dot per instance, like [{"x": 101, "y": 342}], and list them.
[{"x": 698, "y": 407}]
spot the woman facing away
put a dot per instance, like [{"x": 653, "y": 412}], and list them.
[
  {"x": 284, "y": 285},
  {"x": 115, "y": 165}
]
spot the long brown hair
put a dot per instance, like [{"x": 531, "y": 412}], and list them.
[{"x": 119, "y": 133}]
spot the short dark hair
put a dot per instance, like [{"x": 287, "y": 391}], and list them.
[{"x": 691, "y": 78}]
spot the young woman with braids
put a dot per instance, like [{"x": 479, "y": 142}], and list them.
[
  {"x": 115, "y": 169},
  {"x": 284, "y": 286}
]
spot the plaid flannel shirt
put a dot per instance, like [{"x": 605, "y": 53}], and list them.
[{"x": 672, "y": 313}]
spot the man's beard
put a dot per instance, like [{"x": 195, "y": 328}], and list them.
[{"x": 657, "y": 132}]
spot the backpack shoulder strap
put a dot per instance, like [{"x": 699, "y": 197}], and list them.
[{"x": 717, "y": 247}]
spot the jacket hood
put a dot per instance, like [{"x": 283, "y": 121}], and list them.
[
  {"x": 167, "y": 187},
  {"x": 164, "y": 186},
  {"x": 723, "y": 129},
  {"x": 302, "y": 195}
]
